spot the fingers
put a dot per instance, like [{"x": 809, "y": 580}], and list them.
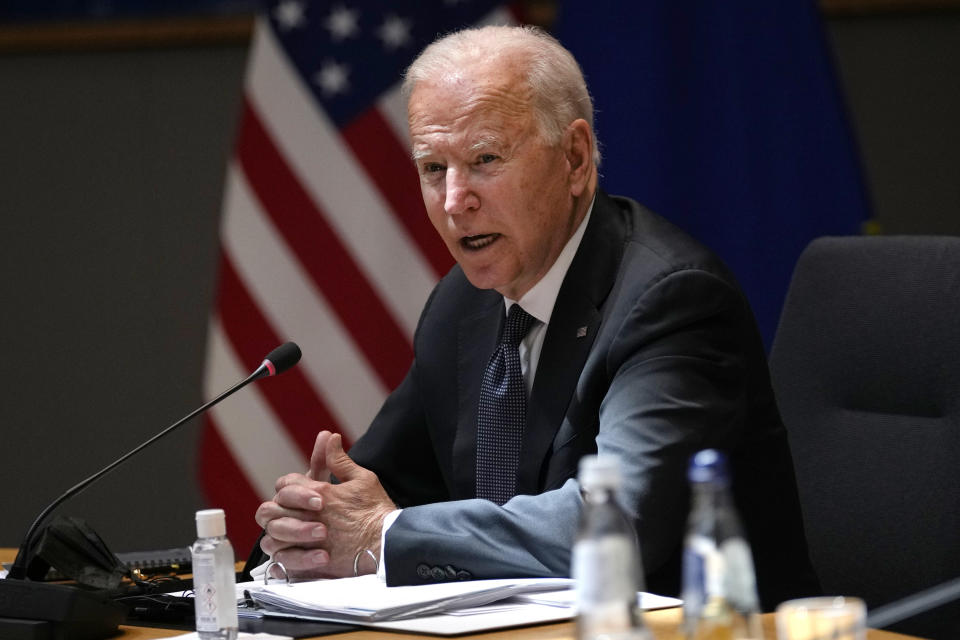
[
  {"x": 299, "y": 562},
  {"x": 297, "y": 479},
  {"x": 269, "y": 511},
  {"x": 318, "y": 459},
  {"x": 287, "y": 529},
  {"x": 338, "y": 462},
  {"x": 316, "y": 528},
  {"x": 304, "y": 497},
  {"x": 294, "y": 503},
  {"x": 285, "y": 532}
]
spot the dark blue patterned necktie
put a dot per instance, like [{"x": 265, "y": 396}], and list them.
[{"x": 502, "y": 413}]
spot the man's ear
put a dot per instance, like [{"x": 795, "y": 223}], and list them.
[{"x": 578, "y": 146}]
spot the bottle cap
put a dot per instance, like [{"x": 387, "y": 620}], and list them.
[
  {"x": 211, "y": 523},
  {"x": 599, "y": 472},
  {"x": 709, "y": 465}
]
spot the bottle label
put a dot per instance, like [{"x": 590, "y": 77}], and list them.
[
  {"x": 604, "y": 570},
  {"x": 205, "y": 592}
]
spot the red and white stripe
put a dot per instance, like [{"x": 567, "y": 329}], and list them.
[{"x": 324, "y": 241}]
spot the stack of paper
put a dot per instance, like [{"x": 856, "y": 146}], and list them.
[
  {"x": 441, "y": 609},
  {"x": 568, "y": 598},
  {"x": 367, "y": 599}
]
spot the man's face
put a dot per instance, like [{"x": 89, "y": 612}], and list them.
[{"x": 498, "y": 195}]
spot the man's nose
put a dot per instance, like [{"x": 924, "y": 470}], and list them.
[{"x": 460, "y": 196}]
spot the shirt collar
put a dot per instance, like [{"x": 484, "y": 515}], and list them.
[{"x": 541, "y": 297}]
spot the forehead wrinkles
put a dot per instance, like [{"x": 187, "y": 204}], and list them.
[
  {"x": 459, "y": 105},
  {"x": 512, "y": 98}
]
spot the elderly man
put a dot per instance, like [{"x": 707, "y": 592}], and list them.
[{"x": 574, "y": 322}]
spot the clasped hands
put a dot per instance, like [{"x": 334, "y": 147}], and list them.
[{"x": 316, "y": 528}]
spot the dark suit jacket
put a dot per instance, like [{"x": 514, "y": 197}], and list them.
[{"x": 671, "y": 363}]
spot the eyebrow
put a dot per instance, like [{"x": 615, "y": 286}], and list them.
[{"x": 485, "y": 142}]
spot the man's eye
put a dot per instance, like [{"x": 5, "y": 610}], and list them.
[
  {"x": 432, "y": 167},
  {"x": 486, "y": 158}
]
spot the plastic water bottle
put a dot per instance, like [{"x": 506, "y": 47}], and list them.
[
  {"x": 719, "y": 586},
  {"x": 214, "y": 578},
  {"x": 606, "y": 560}
]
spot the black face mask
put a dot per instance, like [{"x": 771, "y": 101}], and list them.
[{"x": 75, "y": 552}]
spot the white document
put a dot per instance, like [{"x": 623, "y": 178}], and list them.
[
  {"x": 367, "y": 599},
  {"x": 518, "y": 611},
  {"x": 442, "y": 609},
  {"x": 568, "y": 598}
]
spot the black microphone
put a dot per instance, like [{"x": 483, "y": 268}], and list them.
[
  {"x": 278, "y": 360},
  {"x": 22, "y": 598}
]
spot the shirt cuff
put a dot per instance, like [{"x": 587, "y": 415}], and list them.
[{"x": 387, "y": 523}]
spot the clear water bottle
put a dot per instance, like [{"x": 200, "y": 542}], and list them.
[
  {"x": 214, "y": 578},
  {"x": 606, "y": 560},
  {"x": 719, "y": 586}
]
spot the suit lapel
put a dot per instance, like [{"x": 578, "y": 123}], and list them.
[
  {"x": 573, "y": 327},
  {"x": 476, "y": 340}
]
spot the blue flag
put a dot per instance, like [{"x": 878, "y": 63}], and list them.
[{"x": 726, "y": 118}]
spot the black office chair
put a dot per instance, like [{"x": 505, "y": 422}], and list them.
[{"x": 866, "y": 368}]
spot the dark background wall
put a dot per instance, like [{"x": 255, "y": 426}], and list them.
[
  {"x": 900, "y": 78},
  {"x": 111, "y": 174}
]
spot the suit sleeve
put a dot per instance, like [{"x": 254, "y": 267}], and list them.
[
  {"x": 667, "y": 369},
  {"x": 679, "y": 386}
]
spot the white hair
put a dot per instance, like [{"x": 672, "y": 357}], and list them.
[{"x": 552, "y": 74}]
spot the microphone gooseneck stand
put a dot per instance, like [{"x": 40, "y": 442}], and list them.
[{"x": 28, "y": 608}]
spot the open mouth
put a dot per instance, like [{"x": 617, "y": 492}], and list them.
[{"x": 475, "y": 243}]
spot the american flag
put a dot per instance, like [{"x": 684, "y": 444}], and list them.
[{"x": 324, "y": 238}]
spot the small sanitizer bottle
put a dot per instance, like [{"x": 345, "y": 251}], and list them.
[{"x": 214, "y": 578}]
